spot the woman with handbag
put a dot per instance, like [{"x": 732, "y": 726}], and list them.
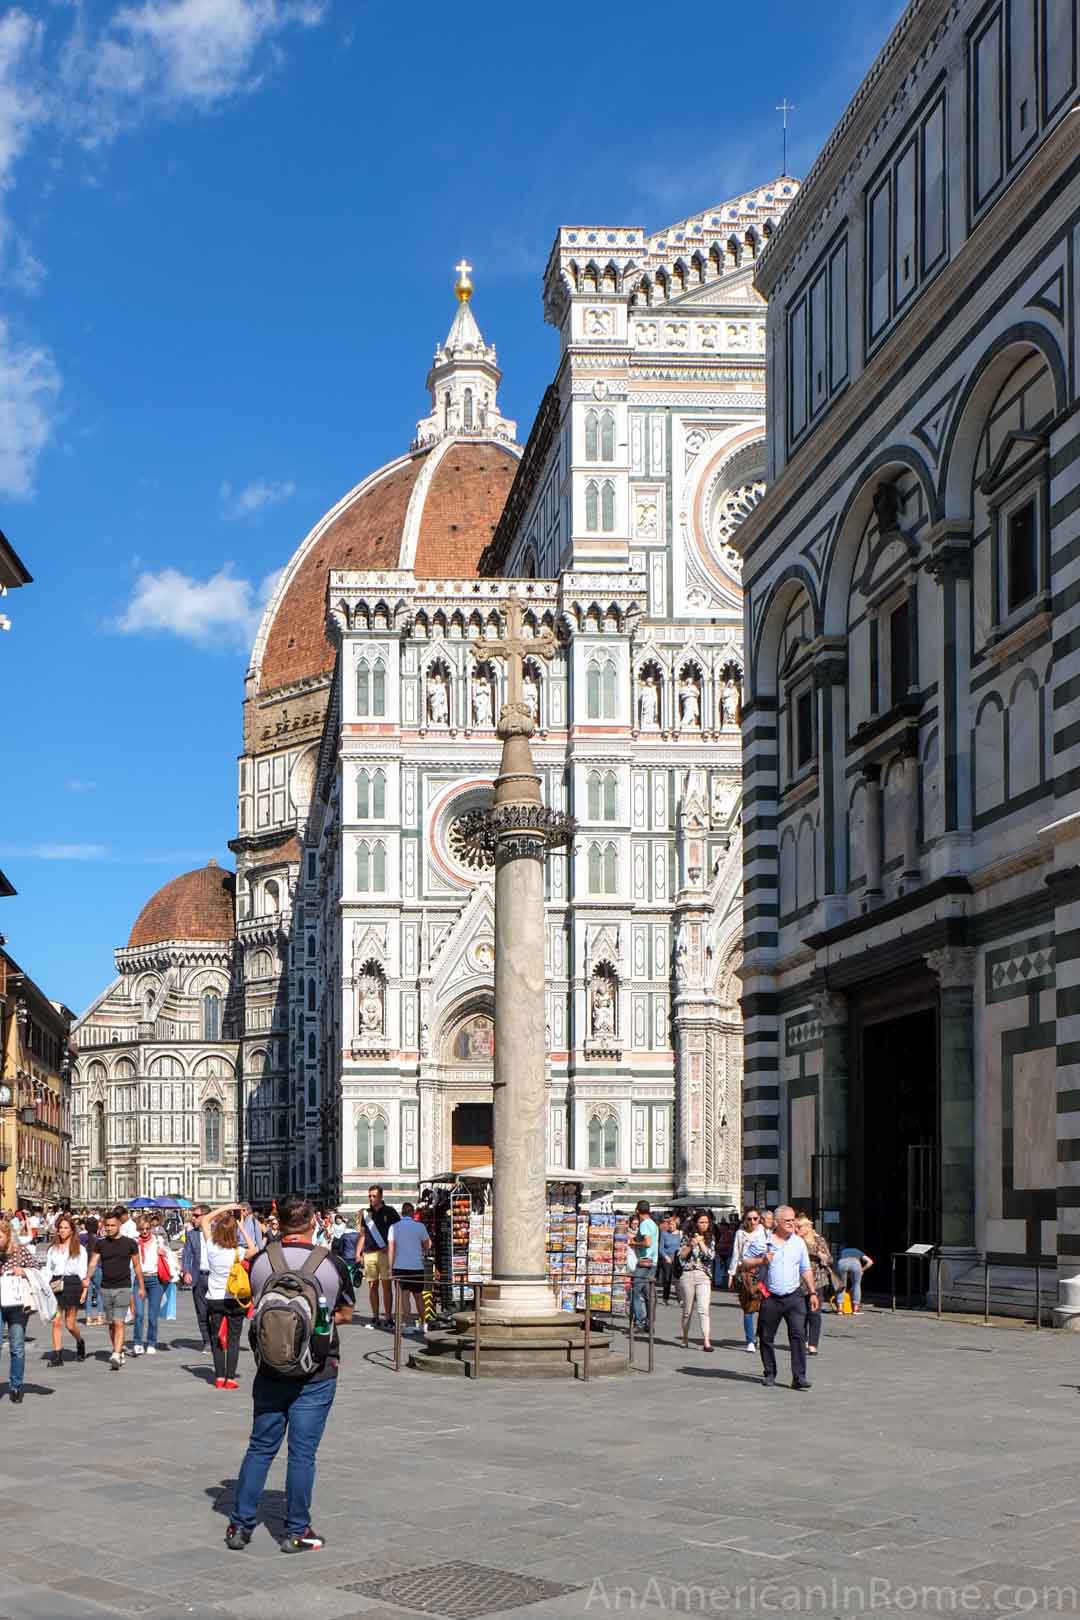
[
  {"x": 745, "y": 1286},
  {"x": 696, "y": 1257},
  {"x": 65, "y": 1273},
  {"x": 15, "y": 1261},
  {"x": 226, "y": 1302},
  {"x": 157, "y": 1274}
]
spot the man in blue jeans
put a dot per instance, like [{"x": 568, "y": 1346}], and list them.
[
  {"x": 297, "y": 1407},
  {"x": 647, "y": 1248}
]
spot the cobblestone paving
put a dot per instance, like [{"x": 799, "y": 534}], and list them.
[{"x": 932, "y": 1469}]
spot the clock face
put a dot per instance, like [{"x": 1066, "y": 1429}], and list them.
[{"x": 5, "y": 1096}]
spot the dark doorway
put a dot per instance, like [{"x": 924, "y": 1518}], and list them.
[
  {"x": 472, "y": 1136},
  {"x": 896, "y": 1140}
]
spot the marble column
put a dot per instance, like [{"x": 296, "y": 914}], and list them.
[
  {"x": 521, "y": 829},
  {"x": 955, "y": 970},
  {"x": 911, "y": 874},
  {"x": 832, "y": 1010},
  {"x": 872, "y": 778}
]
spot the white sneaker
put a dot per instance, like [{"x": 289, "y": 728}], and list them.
[
  {"x": 115, "y": 1362},
  {"x": 137, "y": 1349},
  {"x": 750, "y": 1349},
  {"x": 151, "y": 1349}
]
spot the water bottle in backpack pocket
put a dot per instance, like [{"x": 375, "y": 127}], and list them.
[{"x": 286, "y": 1337}]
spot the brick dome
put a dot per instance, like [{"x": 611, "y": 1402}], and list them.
[
  {"x": 433, "y": 511},
  {"x": 199, "y": 905}
]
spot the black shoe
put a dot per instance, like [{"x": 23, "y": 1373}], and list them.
[
  {"x": 236, "y": 1538},
  {"x": 801, "y": 1384},
  {"x": 16, "y": 1397},
  {"x": 56, "y": 1359},
  {"x": 308, "y": 1542},
  {"x": 770, "y": 1383},
  {"x": 80, "y": 1354}
]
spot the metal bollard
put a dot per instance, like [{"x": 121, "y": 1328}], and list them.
[
  {"x": 986, "y": 1293},
  {"x": 651, "y": 1299},
  {"x": 939, "y": 1287},
  {"x": 630, "y": 1340},
  {"x": 478, "y": 1293},
  {"x": 397, "y": 1326},
  {"x": 588, "y": 1338}
]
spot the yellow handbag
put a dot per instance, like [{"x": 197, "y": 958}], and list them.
[{"x": 238, "y": 1283}]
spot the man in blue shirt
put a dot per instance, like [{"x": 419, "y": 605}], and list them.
[
  {"x": 786, "y": 1266},
  {"x": 647, "y": 1248}
]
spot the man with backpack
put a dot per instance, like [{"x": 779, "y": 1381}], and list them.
[{"x": 301, "y": 1292}]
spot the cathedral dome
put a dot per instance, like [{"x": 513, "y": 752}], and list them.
[
  {"x": 198, "y": 905},
  {"x": 433, "y": 511}
]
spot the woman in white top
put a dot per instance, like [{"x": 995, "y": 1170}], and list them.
[
  {"x": 225, "y": 1244},
  {"x": 751, "y": 1225},
  {"x": 65, "y": 1273},
  {"x": 153, "y": 1244}
]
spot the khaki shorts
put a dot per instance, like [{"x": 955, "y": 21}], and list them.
[{"x": 376, "y": 1265}]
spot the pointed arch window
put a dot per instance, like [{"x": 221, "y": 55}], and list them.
[
  {"x": 311, "y": 995},
  {"x": 603, "y": 1143},
  {"x": 371, "y": 1142},
  {"x": 312, "y": 1050},
  {"x": 607, "y": 506},
  {"x": 371, "y": 795},
  {"x": 610, "y": 869},
  {"x": 211, "y": 1124},
  {"x": 468, "y": 408},
  {"x": 592, "y": 506},
  {"x": 592, "y": 436},
  {"x": 602, "y": 795},
  {"x": 603, "y": 869},
  {"x": 371, "y": 868},
  {"x": 98, "y": 1144},
  {"x": 371, "y": 689},
  {"x": 607, "y": 436},
  {"x": 600, "y": 689},
  {"x": 211, "y": 1016}
]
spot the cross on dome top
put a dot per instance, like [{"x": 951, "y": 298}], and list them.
[{"x": 464, "y": 378}]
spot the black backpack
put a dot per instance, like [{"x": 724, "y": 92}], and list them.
[{"x": 282, "y": 1331}]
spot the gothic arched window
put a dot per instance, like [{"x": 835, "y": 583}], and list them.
[
  {"x": 603, "y": 795},
  {"x": 592, "y": 437},
  {"x": 607, "y": 436},
  {"x": 211, "y": 1125},
  {"x": 371, "y": 1143},
  {"x": 592, "y": 507},
  {"x": 311, "y": 995},
  {"x": 311, "y": 1048},
  {"x": 211, "y": 1016},
  {"x": 603, "y": 1143},
  {"x": 468, "y": 408},
  {"x": 607, "y": 502}
]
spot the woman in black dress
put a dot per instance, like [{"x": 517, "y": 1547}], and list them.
[{"x": 65, "y": 1273}]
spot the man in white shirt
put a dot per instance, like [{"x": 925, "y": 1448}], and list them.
[
  {"x": 128, "y": 1228},
  {"x": 782, "y": 1254}
]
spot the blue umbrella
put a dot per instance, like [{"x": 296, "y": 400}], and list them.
[
  {"x": 142, "y": 1203},
  {"x": 174, "y": 1201}
]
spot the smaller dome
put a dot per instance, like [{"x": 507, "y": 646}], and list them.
[{"x": 198, "y": 905}]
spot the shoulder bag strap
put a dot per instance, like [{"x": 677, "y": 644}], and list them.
[
  {"x": 313, "y": 1262},
  {"x": 276, "y": 1256}
]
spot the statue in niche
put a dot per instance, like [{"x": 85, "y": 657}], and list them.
[
  {"x": 689, "y": 702},
  {"x": 649, "y": 702},
  {"x": 887, "y": 508},
  {"x": 724, "y": 796},
  {"x": 603, "y": 1006},
  {"x": 481, "y": 704},
  {"x": 371, "y": 1004},
  {"x": 438, "y": 699},
  {"x": 730, "y": 702},
  {"x": 530, "y": 695}
]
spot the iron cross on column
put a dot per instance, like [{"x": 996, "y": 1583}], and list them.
[{"x": 515, "y": 646}]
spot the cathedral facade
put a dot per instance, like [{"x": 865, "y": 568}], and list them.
[{"x": 364, "y": 917}]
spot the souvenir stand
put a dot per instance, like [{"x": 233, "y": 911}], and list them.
[
  {"x": 462, "y": 1237},
  {"x": 586, "y": 1248}
]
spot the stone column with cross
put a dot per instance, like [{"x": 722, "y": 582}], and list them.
[{"x": 519, "y": 831}]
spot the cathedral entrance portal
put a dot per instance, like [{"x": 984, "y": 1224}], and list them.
[{"x": 896, "y": 1137}]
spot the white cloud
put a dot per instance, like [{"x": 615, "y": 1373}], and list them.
[
  {"x": 255, "y": 497},
  {"x": 55, "y": 852},
  {"x": 76, "y": 784},
  {"x": 29, "y": 390},
  {"x": 223, "y": 607},
  {"x": 85, "y": 81}
]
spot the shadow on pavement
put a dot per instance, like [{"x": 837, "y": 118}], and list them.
[{"x": 719, "y": 1372}]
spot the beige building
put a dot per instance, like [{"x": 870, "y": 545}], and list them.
[{"x": 35, "y": 1092}]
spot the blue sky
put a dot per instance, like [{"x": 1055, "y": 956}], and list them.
[{"x": 227, "y": 233}]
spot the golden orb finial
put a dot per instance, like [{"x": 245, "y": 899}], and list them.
[{"x": 463, "y": 287}]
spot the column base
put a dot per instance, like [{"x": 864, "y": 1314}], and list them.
[{"x": 525, "y": 1301}]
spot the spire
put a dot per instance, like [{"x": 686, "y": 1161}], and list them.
[{"x": 464, "y": 378}]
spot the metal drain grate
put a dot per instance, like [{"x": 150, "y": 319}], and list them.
[{"x": 460, "y": 1591}]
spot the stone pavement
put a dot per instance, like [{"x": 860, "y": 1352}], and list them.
[{"x": 932, "y": 1469}]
